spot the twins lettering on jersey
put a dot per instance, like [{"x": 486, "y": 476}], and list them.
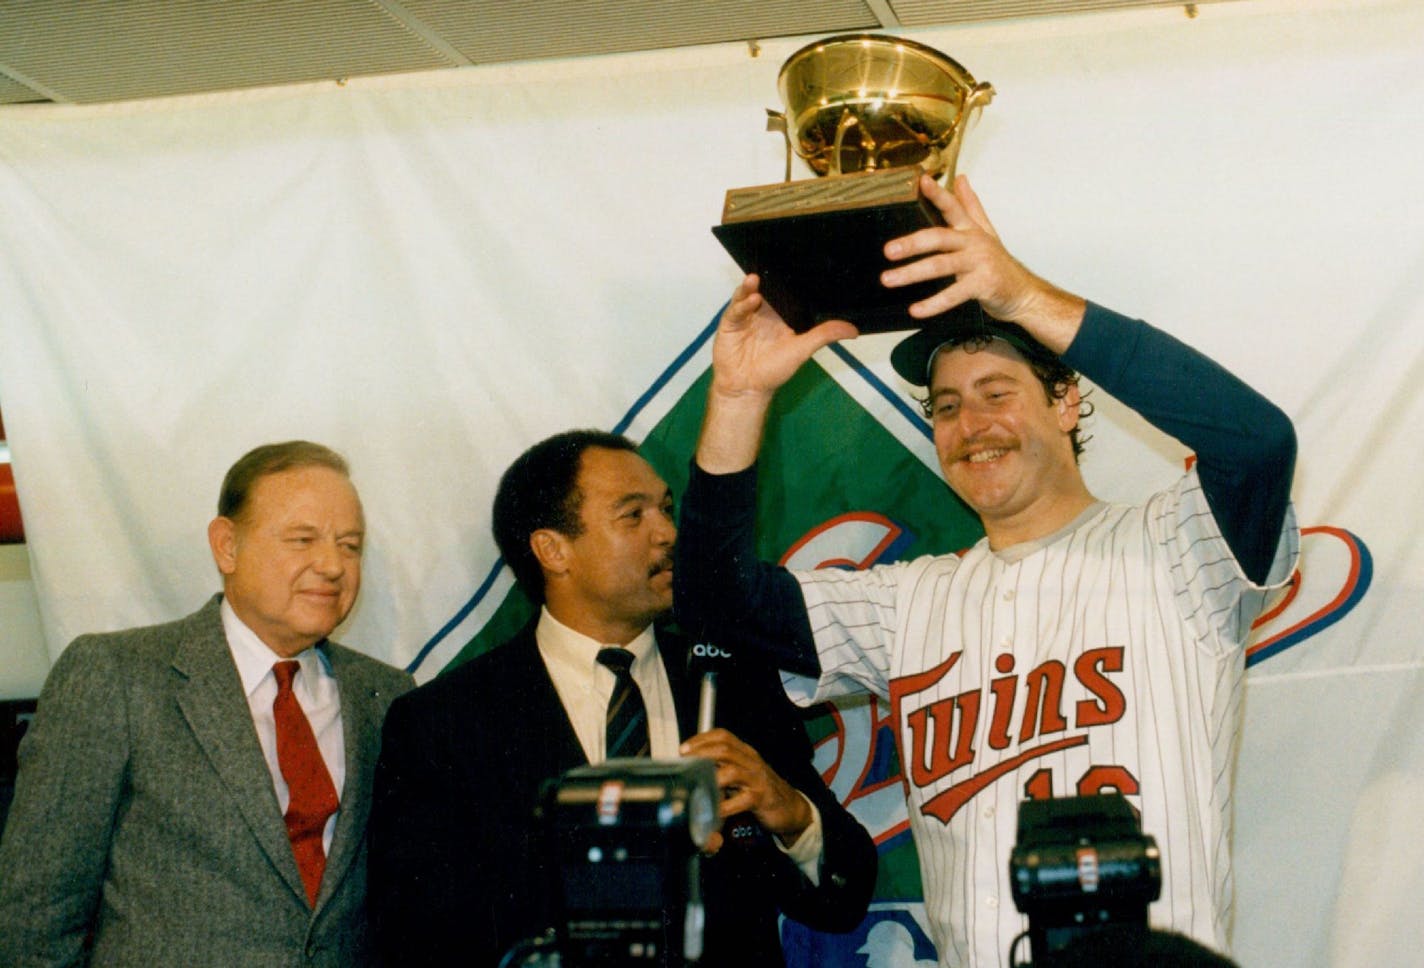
[{"x": 1029, "y": 715}]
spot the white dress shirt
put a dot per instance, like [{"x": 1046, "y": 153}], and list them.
[
  {"x": 317, "y": 693},
  {"x": 585, "y": 685}
]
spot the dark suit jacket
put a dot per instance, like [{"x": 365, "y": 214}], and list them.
[
  {"x": 457, "y": 868},
  {"x": 144, "y": 813}
]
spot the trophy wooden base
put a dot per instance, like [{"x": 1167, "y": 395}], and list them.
[{"x": 818, "y": 246}]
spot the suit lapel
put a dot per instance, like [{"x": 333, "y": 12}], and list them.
[
  {"x": 673, "y": 648},
  {"x": 215, "y": 707},
  {"x": 543, "y": 715},
  {"x": 361, "y": 713}
]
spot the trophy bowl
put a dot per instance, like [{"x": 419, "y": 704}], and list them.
[
  {"x": 864, "y": 102},
  {"x": 872, "y": 114}
]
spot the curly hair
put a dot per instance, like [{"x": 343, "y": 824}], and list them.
[{"x": 1056, "y": 376}]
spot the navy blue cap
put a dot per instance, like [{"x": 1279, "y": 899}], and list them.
[{"x": 911, "y": 356}]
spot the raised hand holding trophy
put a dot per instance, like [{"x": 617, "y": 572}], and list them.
[{"x": 870, "y": 114}]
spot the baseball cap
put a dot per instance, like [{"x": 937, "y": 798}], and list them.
[{"x": 911, "y": 356}]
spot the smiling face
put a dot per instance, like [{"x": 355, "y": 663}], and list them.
[
  {"x": 291, "y": 559},
  {"x": 613, "y": 578},
  {"x": 1003, "y": 445}
]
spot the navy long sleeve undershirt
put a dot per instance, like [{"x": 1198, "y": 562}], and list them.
[
  {"x": 1245, "y": 445},
  {"x": 1245, "y": 449}
]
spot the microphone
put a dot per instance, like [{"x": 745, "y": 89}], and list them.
[
  {"x": 706, "y": 661},
  {"x": 707, "y": 701}
]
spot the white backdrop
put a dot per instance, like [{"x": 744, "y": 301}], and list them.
[{"x": 431, "y": 272}]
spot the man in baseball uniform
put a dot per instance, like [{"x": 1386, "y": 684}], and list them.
[{"x": 1080, "y": 647}]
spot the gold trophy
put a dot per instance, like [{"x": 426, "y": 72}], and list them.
[{"x": 870, "y": 114}]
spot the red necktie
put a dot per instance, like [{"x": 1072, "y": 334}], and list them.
[{"x": 311, "y": 794}]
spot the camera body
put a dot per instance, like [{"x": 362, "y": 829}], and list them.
[
  {"x": 626, "y": 836},
  {"x": 1082, "y": 865}
]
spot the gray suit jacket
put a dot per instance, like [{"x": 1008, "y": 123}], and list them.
[{"x": 145, "y": 818}]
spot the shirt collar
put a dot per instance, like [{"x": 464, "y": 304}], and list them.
[
  {"x": 570, "y": 648},
  {"x": 1018, "y": 552},
  {"x": 255, "y": 660}
]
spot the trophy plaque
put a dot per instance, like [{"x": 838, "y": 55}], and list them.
[{"x": 868, "y": 114}]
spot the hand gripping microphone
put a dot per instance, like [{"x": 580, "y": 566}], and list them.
[{"x": 707, "y": 662}]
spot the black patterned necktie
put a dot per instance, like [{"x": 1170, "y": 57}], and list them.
[{"x": 627, "y": 724}]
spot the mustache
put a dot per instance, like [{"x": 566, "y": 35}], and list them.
[
  {"x": 661, "y": 565},
  {"x": 991, "y": 442}
]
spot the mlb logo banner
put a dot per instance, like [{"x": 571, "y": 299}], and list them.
[
  {"x": 893, "y": 935},
  {"x": 848, "y": 478}
]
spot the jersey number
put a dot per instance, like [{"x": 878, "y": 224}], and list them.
[{"x": 1098, "y": 779}]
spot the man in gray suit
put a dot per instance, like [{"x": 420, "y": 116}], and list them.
[{"x": 185, "y": 796}]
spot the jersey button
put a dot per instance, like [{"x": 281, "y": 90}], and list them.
[
  {"x": 992, "y": 903},
  {"x": 1008, "y": 594}
]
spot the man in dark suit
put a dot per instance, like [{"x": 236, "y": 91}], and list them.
[
  {"x": 196, "y": 793},
  {"x": 458, "y": 868}
]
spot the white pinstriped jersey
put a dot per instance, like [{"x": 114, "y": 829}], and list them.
[{"x": 1108, "y": 655}]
